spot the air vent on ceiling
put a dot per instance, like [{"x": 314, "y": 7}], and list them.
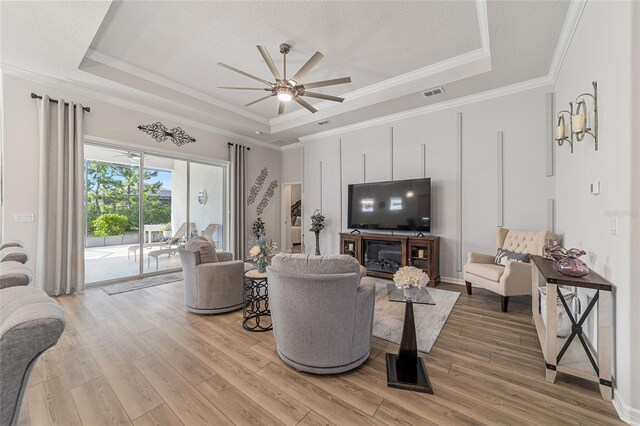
[
  {"x": 323, "y": 122},
  {"x": 279, "y": 142},
  {"x": 434, "y": 91}
]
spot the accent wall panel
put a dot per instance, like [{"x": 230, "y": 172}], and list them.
[{"x": 322, "y": 191}]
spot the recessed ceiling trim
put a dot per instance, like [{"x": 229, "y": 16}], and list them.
[
  {"x": 119, "y": 65},
  {"x": 113, "y": 100},
  {"x": 453, "y": 69},
  {"x": 457, "y": 102},
  {"x": 569, "y": 27}
]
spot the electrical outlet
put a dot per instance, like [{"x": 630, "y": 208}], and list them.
[
  {"x": 614, "y": 225},
  {"x": 24, "y": 218}
]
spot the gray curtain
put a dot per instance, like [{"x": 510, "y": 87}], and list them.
[
  {"x": 238, "y": 157},
  {"x": 60, "y": 259}
]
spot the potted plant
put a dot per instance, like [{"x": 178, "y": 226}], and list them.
[
  {"x": 410, "y": 279},
  {"x": 166, "y": 230},
  {"x": 317, "y": 225},
  {"x": 262, "y": 248}
]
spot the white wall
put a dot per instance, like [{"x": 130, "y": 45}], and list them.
[
  {"x": 601, "y": 50},
  {"x": 105, "y": 121},
  {"x": 394, "y": 151},
  {"x": 292, "y": 165}
]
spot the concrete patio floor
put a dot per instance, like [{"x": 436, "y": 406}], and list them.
[{"x": 111, "y": 262}]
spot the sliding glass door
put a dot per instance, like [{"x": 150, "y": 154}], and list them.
[{"x": 129, "y": 235}]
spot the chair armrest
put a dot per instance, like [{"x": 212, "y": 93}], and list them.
[
  {"x": 224, "y": 256},
  {"x": 516, "y": 279},
  {"x": 14, "y": 274},
  {"x": 480, "y": 258},
  {"x": 365, "y": 304},
  {"x": 11, "y": 243}
]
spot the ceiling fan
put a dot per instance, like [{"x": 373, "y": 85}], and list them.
[{"x": 287, "y": 89}]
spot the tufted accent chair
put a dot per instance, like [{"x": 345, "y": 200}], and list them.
[{"x": 514, "y": 279}]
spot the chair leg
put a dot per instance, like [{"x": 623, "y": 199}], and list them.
[
  {"x": 469, "y": 291},
  {"x": 504, "y": 302}
]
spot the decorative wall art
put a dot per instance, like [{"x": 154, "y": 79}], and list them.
[
  {"x": 202, "y": 197},
  {"x": 266, "y": 197},
  {"x": 160, "y": 133},
  {"x": 257, "y": 186}
]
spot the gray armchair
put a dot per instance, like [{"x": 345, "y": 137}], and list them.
[
  {"x": 13, "y": 274},
  {"x": 214, "y": 287},
  {"x": 31, "y": 323},
  {"x": 322, "y": 312}
]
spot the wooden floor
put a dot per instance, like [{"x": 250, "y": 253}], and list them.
[{"x": 140, "y": 358}]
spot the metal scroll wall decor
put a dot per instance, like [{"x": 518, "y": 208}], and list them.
[
  {"x": 160, "y": 133},
  {"x": 255, "y": 189},
  {"x": 257, "y": 186},
  {"x": 266, "y": 197},
  {"x": 580, "y": 122}
]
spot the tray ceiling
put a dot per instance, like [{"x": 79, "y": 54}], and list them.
[{"x": 163, "y": 54}]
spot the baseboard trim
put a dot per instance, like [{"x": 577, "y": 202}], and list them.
[
  {"x": 452, "y": 280},
  {"x": 626, "y": 413}
]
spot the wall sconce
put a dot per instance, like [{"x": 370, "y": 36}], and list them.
[
  {"x": 561, "y": 127},
  {"x": 579, "y": 120}
]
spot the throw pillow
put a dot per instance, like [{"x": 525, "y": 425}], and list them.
[
  {"x": 502, "y": 256},
  {"x": 206, "y": 250}
]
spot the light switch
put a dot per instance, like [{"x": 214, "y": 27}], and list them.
[
  {"x": 595, "y": 187},
  {"x": 24, "y": 218}
]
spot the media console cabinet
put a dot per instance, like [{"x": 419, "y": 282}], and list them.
[{"x": 383, "y": 254}]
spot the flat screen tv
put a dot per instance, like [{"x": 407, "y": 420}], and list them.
[{"x": 400, "y": 205}]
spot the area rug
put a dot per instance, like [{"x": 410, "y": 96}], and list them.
[
  {"x": 142, "y": 283},
  {"x": 388, "y": 317}
]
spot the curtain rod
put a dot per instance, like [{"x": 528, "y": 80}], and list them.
[
  {"x": 231, "y": 143},
  {"x": 55, "y": 101}
]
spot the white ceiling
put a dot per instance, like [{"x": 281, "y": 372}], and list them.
[{"x": 163, "y": 54}]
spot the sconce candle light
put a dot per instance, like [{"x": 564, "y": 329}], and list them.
[
  {"x": 561, "y": 134},
  {"x": 580, "y": 120}
]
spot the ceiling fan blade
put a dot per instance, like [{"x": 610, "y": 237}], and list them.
[
  {"x": 243, "y": 88},
  {"x": 281, "y": 107},
  {"x": 246, "y": 74},
  {"x": 323, "y": 96},
  {"x": 305, "y": 104},
  {"x": 269, "y": 61},
  {"x": 312, "y": 62},
  {"x": 325, "y": 83},
  {"x": 258, "y": 100}
]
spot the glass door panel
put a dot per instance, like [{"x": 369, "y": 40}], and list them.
[
  {"x": 165, "y": 212},
  {"x": 112, "y": 214},
  {"x": 207, "y": 202}
]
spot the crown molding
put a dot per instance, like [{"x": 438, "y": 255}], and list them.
[
  {"x": 73, "y": 88},
  {"x": 453, "y": 103},
  {"x": 125, "y": 67},
  {"x": 574, "y": 13}
]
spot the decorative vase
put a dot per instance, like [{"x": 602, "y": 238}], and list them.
[
  {"x": 262, "y": 265},
  {"x": 572, "y": 267},
  {"x": 410, "y": 292},
  {"x": 317, "y": 243}
]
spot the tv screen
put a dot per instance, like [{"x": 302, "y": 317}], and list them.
[{"x": 401, "y": 205}]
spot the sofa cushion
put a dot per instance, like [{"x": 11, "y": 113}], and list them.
[
  {"x": 307, "y": 264},
  {"x": 206, "y": 250},
  {"x": 14, "y": 253},
  {"x": 485, "y": 270},
  {"x": 502, "y": 256}
]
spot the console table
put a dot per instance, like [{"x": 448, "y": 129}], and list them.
[
  {"x": 382, "y": 254},
  {"x": 571, "y": 355}
]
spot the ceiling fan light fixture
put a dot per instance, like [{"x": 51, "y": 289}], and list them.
[{"x": 285, "y": 94}]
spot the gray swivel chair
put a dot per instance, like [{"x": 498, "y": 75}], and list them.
[
  {"x": 322, "y": 312},
  {"x": 31, "y": 322},
  {"x": 13, "y": 274},
  {"x": 213, "y": 281}
]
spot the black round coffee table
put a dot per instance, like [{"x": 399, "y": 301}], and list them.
[{"x": 256, "y": 315}]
